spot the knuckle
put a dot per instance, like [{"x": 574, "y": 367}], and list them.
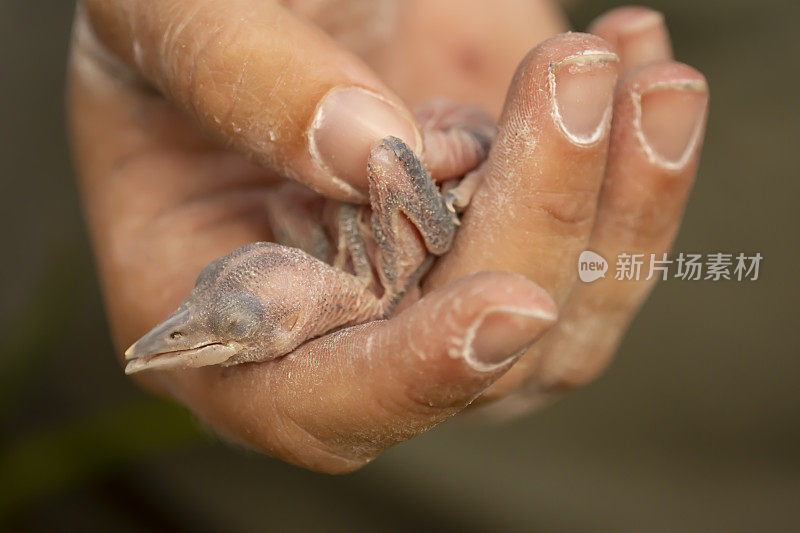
[{"x": 569, "y": 211}]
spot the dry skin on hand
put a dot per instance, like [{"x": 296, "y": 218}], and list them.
[{"x": 263, "y": 300}]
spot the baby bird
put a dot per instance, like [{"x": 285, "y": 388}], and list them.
[{"x": 264, "y": 299}]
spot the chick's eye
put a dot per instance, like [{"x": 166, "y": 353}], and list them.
[{"x": 175, "y": 335}]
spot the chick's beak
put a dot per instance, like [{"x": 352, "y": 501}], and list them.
[{"x": 176, "y": 343}]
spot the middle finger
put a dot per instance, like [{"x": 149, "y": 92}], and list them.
[{"x": 535, "y": 209}]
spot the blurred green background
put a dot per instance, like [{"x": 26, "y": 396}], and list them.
[{"x": 694, "y": 428}]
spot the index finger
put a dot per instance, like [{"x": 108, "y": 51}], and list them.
[{"x": 263, "y": 81}]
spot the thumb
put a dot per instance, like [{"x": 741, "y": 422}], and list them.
[
  {"x": 262, "y": 80},
  {"x": 373, "y": 386}
]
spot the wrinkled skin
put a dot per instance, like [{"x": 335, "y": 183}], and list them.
[{"x": 162, "y": 200}]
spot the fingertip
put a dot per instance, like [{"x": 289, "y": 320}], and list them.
[
  {"x": 490, "y": 317},
  {"x": 562, "y": 47},
  {"x": 638, "y": 34},
  {"x": 572, "y": 76},
  {"x": 609, "y": 24},
  {"x": 500, "y": 335}
]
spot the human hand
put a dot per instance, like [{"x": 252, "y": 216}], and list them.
[{"x": 162, "y": 202}]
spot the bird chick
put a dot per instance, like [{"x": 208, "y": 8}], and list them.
[{"x": 263, "y": 300}]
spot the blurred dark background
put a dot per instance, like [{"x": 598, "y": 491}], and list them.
[{"x": 694, "y": 428}]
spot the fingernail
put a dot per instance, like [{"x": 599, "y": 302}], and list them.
[
  {"x": 584, "y": 87},
  {"x": 500, "y": 335},
  {"x": 670, "y": 121},
  {"x": 643, "y": 39},
  {"x": 347, "y": 123}
]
